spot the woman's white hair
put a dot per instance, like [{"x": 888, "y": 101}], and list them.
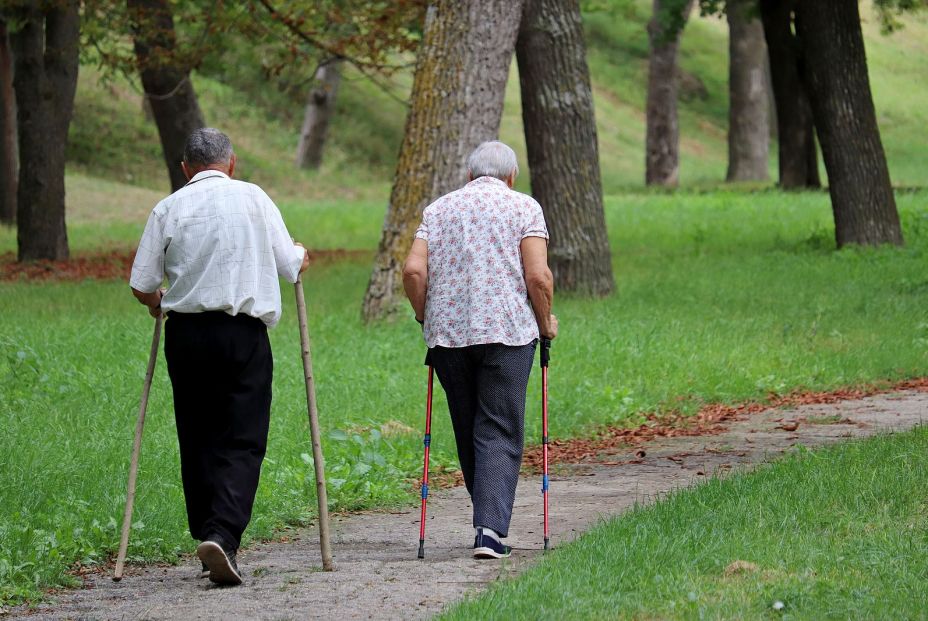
[{"x": 493, "y": 159}]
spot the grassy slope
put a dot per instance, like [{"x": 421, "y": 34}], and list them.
[
  {"x": 111, "y": 138},
  {"x": 722, "y": 296},
  {"x": 835, "y": 533}
]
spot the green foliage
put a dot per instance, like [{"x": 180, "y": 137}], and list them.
[
  {"x": 889, "y": 12},
  {"x": 835, "y": 533}
]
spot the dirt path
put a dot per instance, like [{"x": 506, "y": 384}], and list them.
[{"x": 378, "y": 574}]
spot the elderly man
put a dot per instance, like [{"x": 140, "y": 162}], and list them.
[
  {"x": 222, "y": 244},
  {"x": 479, "y": 258}
]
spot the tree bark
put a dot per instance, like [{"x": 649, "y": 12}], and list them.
[
  {"x": 748, "y": 113},
  {"x": 560, "y": 134},
  {"x": 166, "y": 81},
  {"x": 45, "y": 51},
  {"x": 319, "y": 111},
  {"x": 456, "y": 103},
  {"x": 8, "y": 180},
  {"x": 798, "y": 156},
  {"x": 662, "y": 138},
  {"x": 858, "y": 177}
]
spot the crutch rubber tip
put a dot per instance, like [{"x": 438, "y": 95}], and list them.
[
  {"x": 547, "y": 544},
  {"x": 117, "y": 578},
  {"x": 421, "y": 548}
]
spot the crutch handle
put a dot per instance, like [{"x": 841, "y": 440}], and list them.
[{"x": 545, "y": 351}]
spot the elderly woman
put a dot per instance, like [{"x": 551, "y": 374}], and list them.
[{"x": 478, "y": 280}]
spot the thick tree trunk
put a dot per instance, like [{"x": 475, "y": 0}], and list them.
[
  {"x": 858, "y": 177},
  {"x": 319, "y": 111},
  {"x": 560, "y": 134},
  {"x": 662, "y": 139},
  {"x": 798, "y": 157},
  {"x": 456, "y": 103},
  {"x": 166, "y": 81},
  {"x": 45, "y": 51},
  {"x": 8, "y": 180},
  {"x": 748, "y": 113}
]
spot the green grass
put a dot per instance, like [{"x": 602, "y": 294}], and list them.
[
  {"x": 111, "y": 138},
  {"x": 835, "y": 533},
  {"x": 722, "y": 296}
]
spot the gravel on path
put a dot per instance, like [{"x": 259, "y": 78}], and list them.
[{"x": 378, "y": 575}]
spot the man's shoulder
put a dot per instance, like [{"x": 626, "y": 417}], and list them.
[{"x": 249, "y": 189}]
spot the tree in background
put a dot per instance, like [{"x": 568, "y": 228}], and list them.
[
  {"x": 319, "y": 110},
  {"x": 325, "y": 35},
  {"x": 662, "y": 137},
  {"x": 748, "y": 113},
  {"x": 798, "y": 155},
  {"x": 456, "y": 103},
  {"x": 8, "y": 169},
  {"x": 842, "y": 105},
  {"x": 560, "y": 134},
  {"x": 45, "y": 49},
  {"x": 291, "y": 38},
  {"x": 165, "y": 77}
]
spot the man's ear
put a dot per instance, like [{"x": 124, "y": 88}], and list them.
[
  {"x": 187, "y": 171},
  {"x": 231, "y": 165}
]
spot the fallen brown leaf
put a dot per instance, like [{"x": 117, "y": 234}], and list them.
[{"x": 740, "y": 567}]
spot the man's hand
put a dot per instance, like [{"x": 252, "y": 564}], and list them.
[
  {"x": 305, "y": 256},
  {"x": 150, "y": 299},
  {"x": 549, "y": 331}
]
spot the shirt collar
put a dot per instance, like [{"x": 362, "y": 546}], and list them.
[
  {"x": 488, "y": 181},
  {"x": 206, "y": 174}
]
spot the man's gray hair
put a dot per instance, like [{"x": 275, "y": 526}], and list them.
[
  {"x": 493, "y": 159},
  {"x": 206, "y": 146}
]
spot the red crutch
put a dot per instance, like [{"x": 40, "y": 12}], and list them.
[
  {"x": 545, "y": 358},
  {"x": 425, "y": 469}
]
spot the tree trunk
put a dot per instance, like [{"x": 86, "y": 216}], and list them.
[
  {"x": 45, "y": 51},
  {"x": 166, "y": 81},
  {"x": 748, "y": 113},
  {"x": 456, "y": 103},
  {"x": 560, "y": 134},
  {"x": 662, "y": 139},
  {"x": 839, "y": 88},
  {"x": 319, "y": 111},
  {"x": 8, "y": 180},
  {"x": 798, "y": 158}
]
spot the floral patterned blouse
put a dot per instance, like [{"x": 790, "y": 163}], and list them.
[{"x": 476, "y": 284}]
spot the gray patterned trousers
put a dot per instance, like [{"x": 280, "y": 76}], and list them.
[{"x": 485, "y": 386}]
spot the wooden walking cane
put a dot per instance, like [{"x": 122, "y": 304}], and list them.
[
  {"x": 136, "y": 449},
  {"x": 318, "y": 462}
]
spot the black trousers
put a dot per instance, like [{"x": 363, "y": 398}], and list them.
[
  {"x": 221, "y": 369},
  {"x": 485, "y": 385}
]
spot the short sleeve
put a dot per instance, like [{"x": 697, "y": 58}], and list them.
[
  {"x": 148, "y": 265},
  {"x": 534, "y": 221},
  {"x": 288, "y": 257},
  {"x": 423, "y": 231}
]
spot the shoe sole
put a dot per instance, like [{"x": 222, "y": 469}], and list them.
[
  {"x": 489, "y": 553},
  {"x": 220, "y": 569}
]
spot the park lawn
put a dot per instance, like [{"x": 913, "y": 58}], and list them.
[
  {"x": 833, "y": 533},
  {"x": 722, "y": 296}
]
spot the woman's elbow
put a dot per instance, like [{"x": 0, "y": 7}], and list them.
[{"x": 540, "y": 280}]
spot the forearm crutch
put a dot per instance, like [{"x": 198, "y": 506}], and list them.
[
  {"x": 136, "y": 449},
  {"x": 427, "y": 441},
  {"x": 545, "y": 358},
  {"x": 318, "y": 461}
]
